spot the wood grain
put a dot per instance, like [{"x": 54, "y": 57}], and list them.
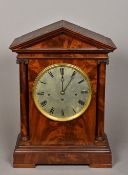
[
  {"x": 79, "y": 131},
  {"x": 92, "y": 155},
  {"x": 24, "y": 101},
  {"x": 100, "y": 101},
  {"x": 60, "y": 27}
]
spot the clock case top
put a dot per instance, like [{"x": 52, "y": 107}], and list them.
[{"x": 62, "y": 42}]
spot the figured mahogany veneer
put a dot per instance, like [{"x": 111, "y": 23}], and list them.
[{"x": 82, "y": 140}]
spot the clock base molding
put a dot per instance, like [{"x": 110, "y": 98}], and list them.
[{"x": 29, "y": 156}]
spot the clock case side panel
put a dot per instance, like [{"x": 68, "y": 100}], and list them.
[
  {"x": 24, "y": 100},
  {"x": 100, "y": 115},
  {"x": 80, "y": 131}
]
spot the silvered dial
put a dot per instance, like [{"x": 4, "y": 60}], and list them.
[{"x": 62, "y": 92}]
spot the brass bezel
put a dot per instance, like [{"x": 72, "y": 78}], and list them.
[{"x": 38, "y": 104}]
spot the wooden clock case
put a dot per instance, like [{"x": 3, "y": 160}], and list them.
[{"x": 82, "y": 140}]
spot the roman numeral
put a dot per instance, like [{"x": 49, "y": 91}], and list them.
[
  {"x": 84, "y": 91},
  {"x": 52, "y": 110},
  {"x": 42, "y": 82},
  {"x": 81, "y": 81},
  {"x": 81, "y": 102},
  {"x": 40, "y": 93},
  {"x": 62, "y": 71},
  {"x": 43, "y": 103},
  {"x": 74, "y": 110},
  {"x": 62, "y": 112},
  {"x": 50, "y": 73}
]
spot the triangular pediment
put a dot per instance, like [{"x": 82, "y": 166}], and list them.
[
  {"x": 62, "y": 34},
  {"x": 61, "y": 40}
]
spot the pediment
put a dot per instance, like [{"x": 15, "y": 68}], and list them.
[
  {"x": 64, "y": 35},
  {"x": 63, "y": 41}
]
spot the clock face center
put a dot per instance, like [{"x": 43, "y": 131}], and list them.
[
  {"x": 62, "y": 92},
  {"x": 62, "y": 80}
]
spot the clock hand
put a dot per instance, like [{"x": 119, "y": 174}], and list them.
[
  {"x": 72, "y": 77},
  {"x": 68, "y": 84},
  {"x": 62, "y": 80}
]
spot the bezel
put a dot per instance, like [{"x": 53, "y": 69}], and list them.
[{"x": 66, "y": 118}]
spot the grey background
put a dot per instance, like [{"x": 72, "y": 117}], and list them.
[{"x": 107, "y": 17}]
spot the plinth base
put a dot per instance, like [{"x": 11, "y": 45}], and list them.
[{"x": 96, "y": 156}]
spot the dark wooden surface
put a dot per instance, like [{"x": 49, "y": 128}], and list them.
[
  {"x": 80, "y": 141},
  {"x": 60, "y": 27},
  {"x": 100, "y": 101},
  {"x": 23, "y": 71},
  {"x": 80, "y": 131},
  {"x": 93, "y": 155}
]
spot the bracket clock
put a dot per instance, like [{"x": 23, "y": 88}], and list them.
[{"x": 62, "y": 95}]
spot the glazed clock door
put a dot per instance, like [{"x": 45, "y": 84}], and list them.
[{"x": 63, "y": 102}]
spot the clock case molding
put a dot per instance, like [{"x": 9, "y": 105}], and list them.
[{"x": 62, "y": 42}]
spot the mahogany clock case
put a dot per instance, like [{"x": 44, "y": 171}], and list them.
[{"x": 79, "y": 141}]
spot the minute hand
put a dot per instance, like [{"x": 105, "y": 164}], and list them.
[{"x": 70, "y": 81}]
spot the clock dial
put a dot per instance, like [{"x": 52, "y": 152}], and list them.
[{"x": 62, "y": 92}]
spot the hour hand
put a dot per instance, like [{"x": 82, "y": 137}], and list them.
[{"x": 62, "y": 79}]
